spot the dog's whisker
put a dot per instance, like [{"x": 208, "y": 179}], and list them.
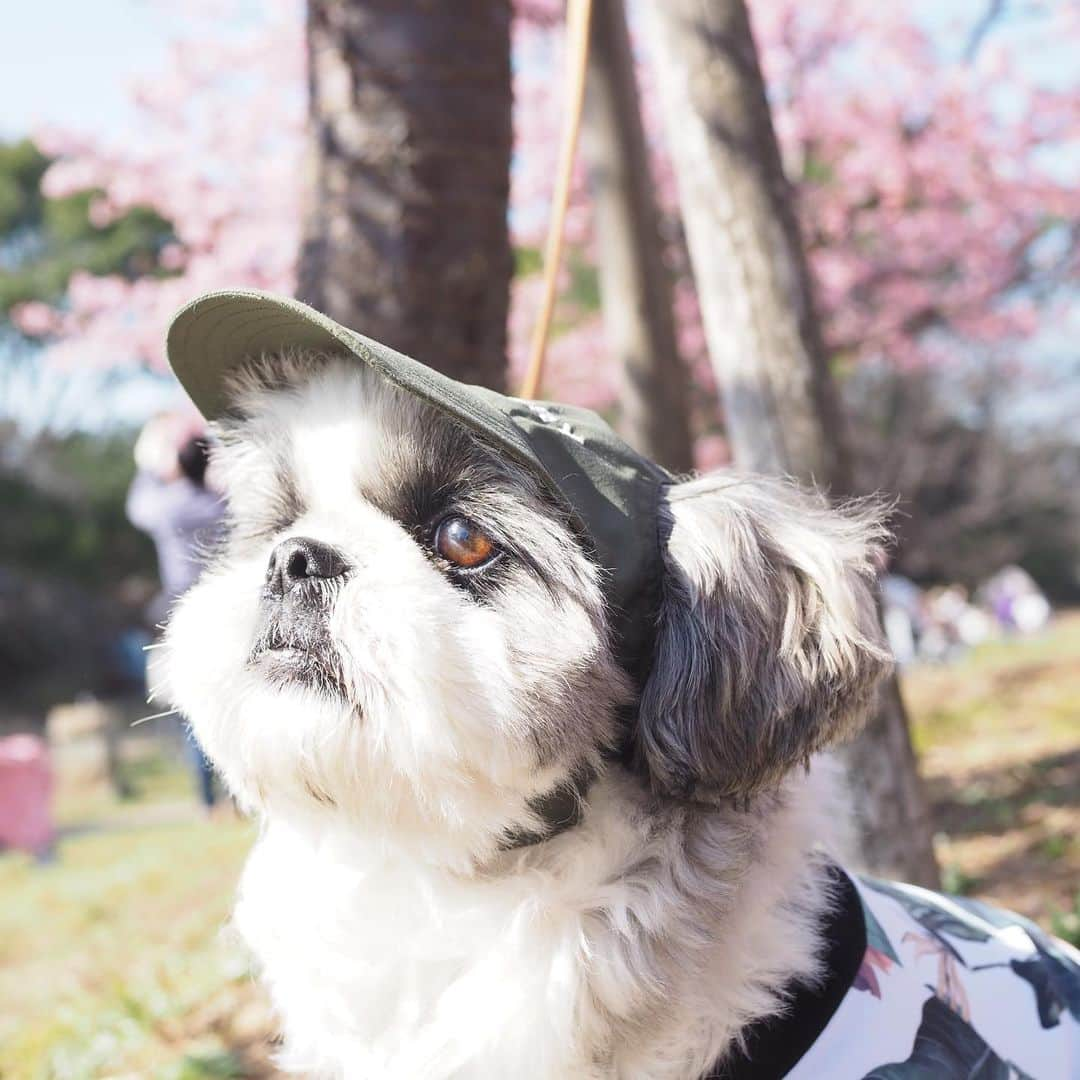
[
  {"x": 155, "y": 716},
  {"x": 153, "y": 691}
]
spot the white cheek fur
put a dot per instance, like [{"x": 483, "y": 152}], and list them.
[
  {"x": 435, "y": 741},
  {"x": 246, "y": 726}
]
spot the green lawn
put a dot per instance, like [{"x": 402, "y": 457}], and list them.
[
  {"x": 999, "y": 737},
  {"x": 113, "y": 962}
]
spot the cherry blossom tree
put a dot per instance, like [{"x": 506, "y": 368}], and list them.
[
  {"x": 936, "y": 183},
  {"x": 217, "y": 150},
  {"x": 409, "y": 144},
  {"x": 937, "y": 189}
]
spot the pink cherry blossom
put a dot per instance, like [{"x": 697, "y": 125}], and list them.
[{"x": 925, "y": 183}]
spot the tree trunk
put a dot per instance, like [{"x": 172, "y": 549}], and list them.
[
  {"x": 765, "y": 343},
  {"x": 887, "y": 795},
  {"x": 635, "y": 284},
  {"x": 405, "y": 233}
]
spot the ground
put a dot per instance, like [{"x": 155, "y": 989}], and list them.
[
  {"x": 114, "y": 961},
  {"x": 999, "y": 738}
]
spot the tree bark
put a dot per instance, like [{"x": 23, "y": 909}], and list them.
[
  {"x": 635, "y": 284},
  {"x": 405, "y": 234},
  {"x": 765, "y": 343},
  {"x": 891, "y": 816}
]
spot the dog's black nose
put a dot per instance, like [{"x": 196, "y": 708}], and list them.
[{"x": 299, "y": 558}]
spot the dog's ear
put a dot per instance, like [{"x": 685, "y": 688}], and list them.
[{"x": 768, "y": 644}]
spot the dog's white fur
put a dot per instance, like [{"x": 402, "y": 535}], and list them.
[{"x": 398, "y": 935}]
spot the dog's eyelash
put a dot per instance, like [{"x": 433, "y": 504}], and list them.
[
  {"x": 256, "y": 531},
  {"x": 427, "y": 533}
]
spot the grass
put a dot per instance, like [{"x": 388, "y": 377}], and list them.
[
  {"x": 1003, "y": 690},
  {"x": 112, "y": 957},
  {"x": 998, "y": 734},
  {"x": 113, "y": 962}
]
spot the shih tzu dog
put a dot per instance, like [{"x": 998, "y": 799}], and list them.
[{"x": 528, "y": 725}]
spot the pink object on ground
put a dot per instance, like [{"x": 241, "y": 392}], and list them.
[{"x": 25, "y": 794}]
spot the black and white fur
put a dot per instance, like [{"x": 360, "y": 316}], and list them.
[{"x": 392, "y": 726}]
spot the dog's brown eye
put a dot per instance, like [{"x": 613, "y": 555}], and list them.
[{"x": 464, "y": 544}]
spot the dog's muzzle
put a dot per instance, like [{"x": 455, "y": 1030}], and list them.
[{"x": 302, "y": 578}]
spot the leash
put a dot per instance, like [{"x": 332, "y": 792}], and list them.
[{"x": 578, "y": 16}]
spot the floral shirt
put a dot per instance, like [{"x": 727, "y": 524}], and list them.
[{"x": 950, "y": 988}]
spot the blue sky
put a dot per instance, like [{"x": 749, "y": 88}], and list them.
[{"x": 70, "y": 62}]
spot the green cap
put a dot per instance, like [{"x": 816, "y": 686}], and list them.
[{"x": 611, "y": 492}]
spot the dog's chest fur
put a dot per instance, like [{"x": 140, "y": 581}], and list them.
[
  {"x": 561, "y": 966},
  {"x": 403, "y": 972}
]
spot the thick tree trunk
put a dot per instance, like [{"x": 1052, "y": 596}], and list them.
[
  {"x": 887, "y": 795},
  {"x": 405, "y": 232},
  {"x": 635, "y": 284},
  {"x": 765, "y": 343}
]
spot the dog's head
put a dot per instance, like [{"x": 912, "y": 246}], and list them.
[{"x": 406, "y": 629}]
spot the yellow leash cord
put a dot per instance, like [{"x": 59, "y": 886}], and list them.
[{"x": 578, "y": 14}]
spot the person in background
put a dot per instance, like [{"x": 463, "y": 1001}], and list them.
[
  {"x": 901, "y": 601},
  {"x": 171, "y": 501},
  {"x": 1017, "y": 603}
]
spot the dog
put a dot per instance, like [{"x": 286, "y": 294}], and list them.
[{"x": 525, "y": 811}]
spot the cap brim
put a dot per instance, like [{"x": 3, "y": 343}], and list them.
[{"x": 218, "y": 332}]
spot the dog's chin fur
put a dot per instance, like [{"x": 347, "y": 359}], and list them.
[{"x": 392, "y": 748}]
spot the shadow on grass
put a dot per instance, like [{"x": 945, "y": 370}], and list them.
[
  {"x": 994, "y": 800},
  {"x": 241, "y": 1021},
  {"x": 120, "y": 826},
  {"x": 1026, "y": 865},
  {"x": 1012, "y": 834}
]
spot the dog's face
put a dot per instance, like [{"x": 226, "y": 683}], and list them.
[
  {"x": 404, "y": 629},
  {"x": 401, "y": 627}
]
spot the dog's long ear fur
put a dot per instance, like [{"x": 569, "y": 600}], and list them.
[{"x": 768, "y": 646}]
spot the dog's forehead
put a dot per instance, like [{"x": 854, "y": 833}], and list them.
[
  {"x": 334, "y": 454},
  {"x": 344, "y": 434}
]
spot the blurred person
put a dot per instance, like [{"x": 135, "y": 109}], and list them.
[
  {"x": 1017, "y": 603},
  {"x": 942, "y": 607},
  {"x": 171, "y": 501},
  {"x": 953, "y": 622},
  {"x": 901, "y": 601}
]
